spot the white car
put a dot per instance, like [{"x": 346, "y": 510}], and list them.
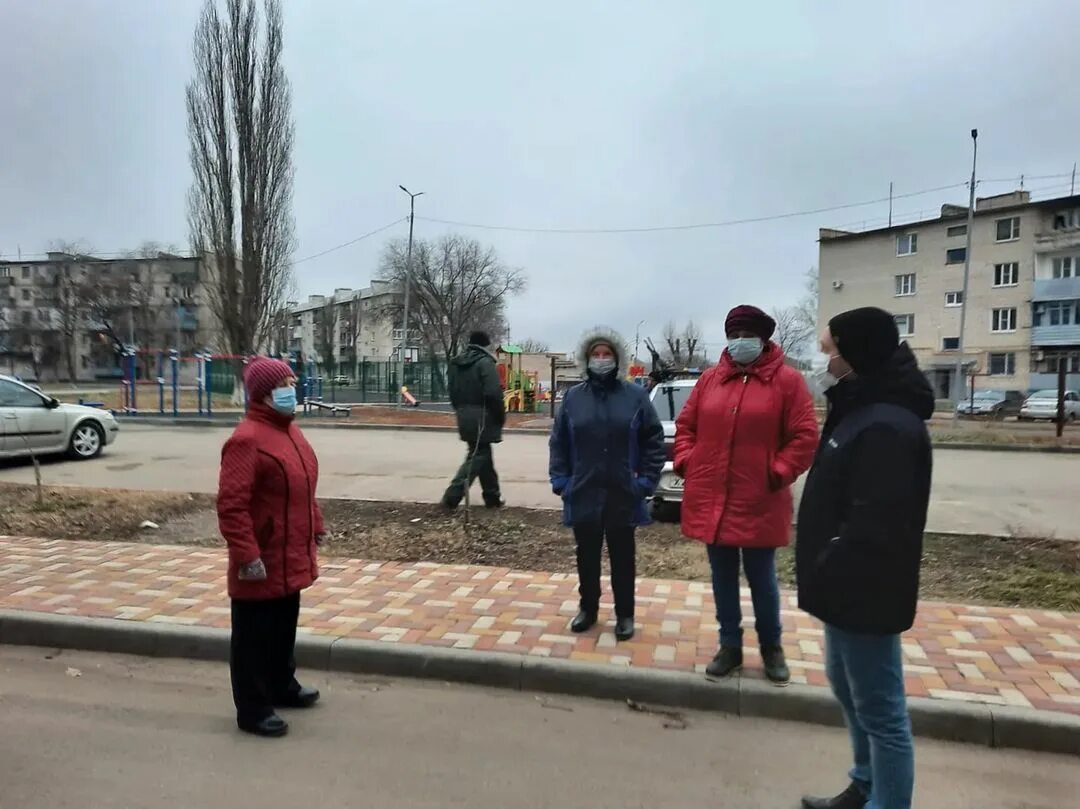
[
  {"x": 669, "y": 398},
  {"x": 1043, "y": 406},
  {"x": 32, "y": 423}
]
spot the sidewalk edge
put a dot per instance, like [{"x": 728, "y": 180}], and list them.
[{"x": 986, "y": 725}]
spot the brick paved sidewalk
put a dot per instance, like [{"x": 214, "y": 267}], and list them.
[{"x": 1027, "y": 658}]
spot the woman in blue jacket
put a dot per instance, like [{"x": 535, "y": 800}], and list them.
[{"x": 607, "y": 452}]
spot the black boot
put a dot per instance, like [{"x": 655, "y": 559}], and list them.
[
  {"x": 624, "y": 628},
  {"x": 776, "y": 668},
  {"x": 272, "y": 726},
  {"x": 583, "y": 622},
  {"x": 850, "y": 798},
  {"x": 494, "y": 502},
  {"x": 726, "y": 662},
  {"x": 302, "y": 698}
]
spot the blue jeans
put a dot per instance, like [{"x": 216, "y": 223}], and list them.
[
  {"x": 760, "y": 567},
  {"x": 867, "y": 675}
]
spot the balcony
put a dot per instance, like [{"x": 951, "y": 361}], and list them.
[
  {"x": 1056, "y": 289},
  {"x": 1047, "y": 336}
]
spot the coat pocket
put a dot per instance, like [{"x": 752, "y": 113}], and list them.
[{"x": 265, "y": 534}]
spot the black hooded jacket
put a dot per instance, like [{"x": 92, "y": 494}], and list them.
[{"x": 863, "y": 510}]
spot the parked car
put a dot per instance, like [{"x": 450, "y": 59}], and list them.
[
  {"x": 340, "y": 381},
  {"x": 32, "y": 422},
  {"x": 1043, "y": 406},
  {"x": 669, "y": 398},
  {"x": 994, "y": 404}
]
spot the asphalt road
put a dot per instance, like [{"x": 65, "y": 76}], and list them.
[
  {"x": 1002, "y": 493},
  {"x": 138, "y": 732}
]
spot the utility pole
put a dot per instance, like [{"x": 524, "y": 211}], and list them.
[
  {"x": 890, "y": 204},
  {"x": 637, "y": 339},
  {"x": 958, "y": 381},
  {"x": 1072, "y": 186},
  {"x": 408, "y": 284}
]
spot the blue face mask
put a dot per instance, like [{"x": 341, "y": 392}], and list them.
[
  {"x": 745, "y": 350},
  {"x": 284, "y": 400}
]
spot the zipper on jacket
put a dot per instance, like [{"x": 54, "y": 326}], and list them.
[{"x": 731, "y": 450}]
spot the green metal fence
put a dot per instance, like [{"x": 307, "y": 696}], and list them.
[{"x": 372, "y": 381}]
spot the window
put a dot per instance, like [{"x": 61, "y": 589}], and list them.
[
  {"x": 1055, "y": 359},
  {"x": 1059, "y": 313},
  {"x": 1003, "y": 364},
  {"x": 905, "y": 284},
  {"x": 954, "y": 299},
  {"x": 957, "y": 230},
  {"x": 5, "y": 272},
  {"x": 956, "y": 256},
  {"x": 1067, "y": 220},
  {"x": 43, "y": 315},
  {"x": 1008, "y": 230},
  {"x": 906, "y": 325},
  {"x": 907, "y": 244},
  {"x": 27, "y": 315},
  {"x": 1007, "y": 275},
  {"x": 26, "y": 273},
  {"x": 950, "y": 344},
  {"x": 26, "y": 294},
  {"x": 13, "y": 395},
  {"x": 1067, "y": 267},
  {"x": 1003, "y": 320}
]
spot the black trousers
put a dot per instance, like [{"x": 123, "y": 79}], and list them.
[
  {"x": 480, "y": 464},
  {"x": 622, "y": 552},
  {"x": 261, "y": 658}
]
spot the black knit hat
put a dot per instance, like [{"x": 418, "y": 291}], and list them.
[
  {"x": 479, "y": 338},
  {"x": 867, "y": 338}
]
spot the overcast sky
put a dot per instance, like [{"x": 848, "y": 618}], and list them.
[{"x": 561, "y": 114}]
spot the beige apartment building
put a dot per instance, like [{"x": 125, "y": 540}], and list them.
[
  {"x": 1023, "y": 301},
  {"x": 352, "y": 326}
]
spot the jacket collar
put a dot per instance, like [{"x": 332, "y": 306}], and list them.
[{"x": 257, "y": 411}]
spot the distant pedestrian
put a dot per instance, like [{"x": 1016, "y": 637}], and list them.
[
  {"x": 272, "y": 523},
  {"x": 607, "y": 452},
  {"x": 477, "y": 397},
  {"x": 859, "y": 544},
  {"x": 747, "y": 432}
]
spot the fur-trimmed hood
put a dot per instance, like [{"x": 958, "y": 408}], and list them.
[{"x": 603, "y": 334}]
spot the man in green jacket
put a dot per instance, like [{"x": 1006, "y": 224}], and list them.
[{"x": 477, "y": 398}]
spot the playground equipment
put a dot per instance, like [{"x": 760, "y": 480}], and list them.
[{"x": 520, "y": 387}]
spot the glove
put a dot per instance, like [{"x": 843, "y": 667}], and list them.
[{"x": 252, "y": 571}]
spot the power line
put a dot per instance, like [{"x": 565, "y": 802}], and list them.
[
  {"x": 350, "y": 242},
  {"x": 695, "y": 226}
]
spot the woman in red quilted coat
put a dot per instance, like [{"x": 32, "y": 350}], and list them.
[
  {"x": 746, "y": 434},
  {"x": 270, "y": 519}
]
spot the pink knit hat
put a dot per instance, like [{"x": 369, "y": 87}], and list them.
[{"x": 262, "y": 375}]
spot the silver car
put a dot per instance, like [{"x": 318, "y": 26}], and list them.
[
  {"x": 1043, "y": 406},
  {"x": 32, "y": 423},
  {"x": 669, "y": 398}
]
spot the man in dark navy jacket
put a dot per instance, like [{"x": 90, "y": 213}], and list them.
[{"x": 859, "y": 543}]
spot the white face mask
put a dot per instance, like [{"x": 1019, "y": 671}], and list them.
[
  {"x": 821, "y": 378},
  {"x": 602, "y": 366}
]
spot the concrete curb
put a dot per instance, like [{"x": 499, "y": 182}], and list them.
[{"x": 987, "y": 725}]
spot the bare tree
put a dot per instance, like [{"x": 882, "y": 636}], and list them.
[
  {"x": 531, "y": 346},
  {"x": 325, "y": 329},
  {"x": 683, "y": 344},
  {"x": 349, "y": 323},
  {"x": 241, "y": 135},
  {"x": 792, "y": 334},
  {"x": 458, "y": 285},
  {"x": 806, "y": 309}
]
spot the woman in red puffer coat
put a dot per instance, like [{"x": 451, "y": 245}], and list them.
[
  {"x": 270, "y": 519},
  {"x": 746, "y": 434}
]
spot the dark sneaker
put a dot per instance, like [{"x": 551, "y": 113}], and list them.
[
  {"x": 583, "y": 622},
  {"x": 727, "y": 661},
  {"x": 624, "y": 628},
  {"x": 776, "y": 668},
  {"x": 303, "y": 697},
  {"x": 497, "y": 502},
  {"x": 271, "y": 727},
  {"x": 850, "y": 798}
]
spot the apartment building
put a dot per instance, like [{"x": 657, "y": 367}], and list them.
[
  {"x": 346, "y": 328},
  {"x": 1023, "y": 304},
  {"x": 60, "y": 316}
]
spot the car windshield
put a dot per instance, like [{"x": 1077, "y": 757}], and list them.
[
  {"x": 1044, "y": 394},
  {"x": 670, "y": 399}
]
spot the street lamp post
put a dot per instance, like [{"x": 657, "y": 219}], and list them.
[
  {"x": 408, "y": 284},
  {"x": 958, "y": 375},
  {"x": 637, "y": 339}
]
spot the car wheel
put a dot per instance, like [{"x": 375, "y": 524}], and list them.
[
  {"x": 86, "y": 442},
  {"x": 666, "y": 512}
]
